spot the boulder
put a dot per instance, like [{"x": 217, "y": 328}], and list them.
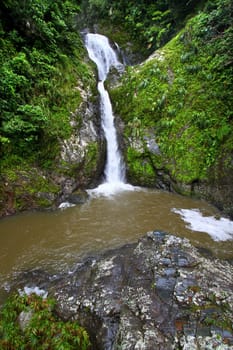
[{"x": 158, "y": 293}]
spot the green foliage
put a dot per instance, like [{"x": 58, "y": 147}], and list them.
[
  {"x": 140, "y": 167},
  {"x": 25, "y": 184},
  {"x": 44, "y": 329},
  {"x": 41, "y": 67},
  {"x": 149, "y": 23},
  {"x": 91, "y": 160},
  {"x": 42, "y": 22},
  {"x": 42, "y": 72},
  {"x": 184, "y": 93}
]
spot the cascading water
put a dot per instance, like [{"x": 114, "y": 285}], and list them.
[{"x": 104, "y": 56}]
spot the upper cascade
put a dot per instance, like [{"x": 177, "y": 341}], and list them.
[{"x": 101, "y": 52}]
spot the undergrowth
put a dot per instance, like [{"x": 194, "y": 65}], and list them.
[
  {"x": 183, "y": 95},
  {"x": 43, "y": 330}
]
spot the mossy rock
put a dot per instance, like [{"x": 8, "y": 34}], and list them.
[{"x": 182, "y": 92}]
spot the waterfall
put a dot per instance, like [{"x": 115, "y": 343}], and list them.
[{"x": 103, "y": 55}]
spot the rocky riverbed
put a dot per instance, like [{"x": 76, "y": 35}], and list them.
[{"x": 157, "y": 293}]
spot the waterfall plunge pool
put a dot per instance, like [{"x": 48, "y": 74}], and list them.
[{"x": 55, "y": 241}]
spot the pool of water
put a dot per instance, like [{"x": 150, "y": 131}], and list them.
[{"x": 56, "y": 240}]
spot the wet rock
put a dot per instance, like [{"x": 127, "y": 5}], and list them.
[
  {"x": 158, "y": 293},
  {"x": 217, "y": 190},
  {"x": 84, "y": 151},
  {"x": 78, "y": 197}
]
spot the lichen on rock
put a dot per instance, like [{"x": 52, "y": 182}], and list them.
[{"x": 158, "y": 293}]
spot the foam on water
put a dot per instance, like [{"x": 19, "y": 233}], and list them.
[
  {"x": 219, "y": 229},
  {"x": 110, "y": 189},
  {"x": 65, "y": 205},
  {"x": 33, "y": 290}
]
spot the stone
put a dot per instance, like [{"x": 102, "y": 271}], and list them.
[
  {"x": 157, "y": 293},
  {"x": 24, "y": 319},
  {"x": 78, "y": 197}
]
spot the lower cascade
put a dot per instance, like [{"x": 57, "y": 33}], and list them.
[{"x": 103, "y": 55}]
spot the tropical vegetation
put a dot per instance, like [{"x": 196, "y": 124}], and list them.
[
  {"x": 42, "y": 72},
  {"x": 181, "y": 98},
  {"x": 41, "y": 328}
]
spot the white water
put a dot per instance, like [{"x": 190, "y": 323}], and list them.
[
  {"x": 105, "y": 58},
  {"x": 219, "y": 229}
]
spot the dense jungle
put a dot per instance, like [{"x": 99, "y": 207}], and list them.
[{"x": 174, "y": 99}]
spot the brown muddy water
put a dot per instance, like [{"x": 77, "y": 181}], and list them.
[{"x": 56, "y": 240}]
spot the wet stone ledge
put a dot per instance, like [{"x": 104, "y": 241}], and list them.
[{"x": 159, "y": 293}]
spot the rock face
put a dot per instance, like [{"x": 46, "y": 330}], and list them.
[
  {"x": 219, "y": 190},
  {"x": 83, "y": 154},
  {"x": 79, "y": 165},
  {"x": 158, "y": 293},
  {"x": 87, "y": 133}
]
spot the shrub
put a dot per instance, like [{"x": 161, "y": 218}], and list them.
[{"x": 44, "y": 330}]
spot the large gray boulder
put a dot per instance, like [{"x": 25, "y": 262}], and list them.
[{"x": 158, "y": 293}]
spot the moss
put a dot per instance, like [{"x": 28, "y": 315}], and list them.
[
  {"x": 91, "y": 160},
  {"x": 140, "y": 169},
  {"x": 179, "y": 93},
  {"x": 24, "y": 186}
]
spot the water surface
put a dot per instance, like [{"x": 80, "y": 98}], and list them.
[{"x": 55, "y": 241}]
